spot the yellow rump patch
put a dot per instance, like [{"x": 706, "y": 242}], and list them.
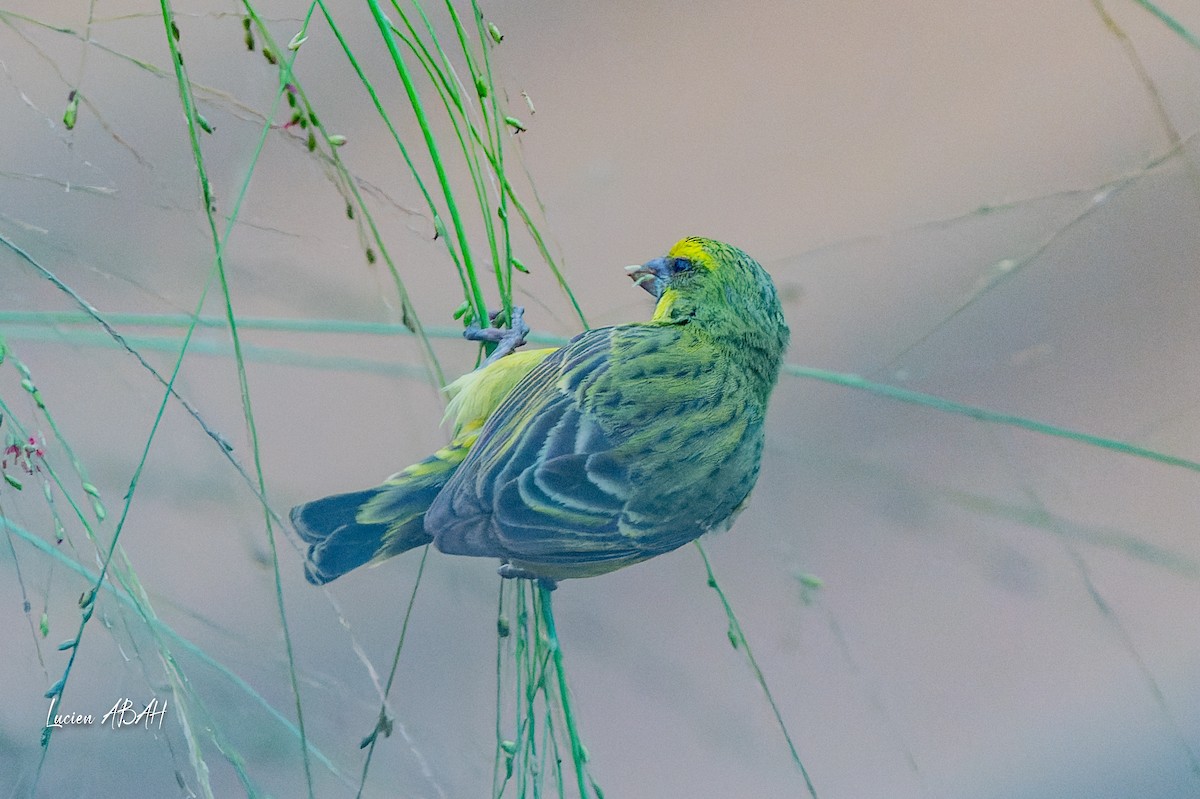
[{"x": 475, "y": 395}]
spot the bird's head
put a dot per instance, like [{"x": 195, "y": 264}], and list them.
[{"x": 718, "y": 287}]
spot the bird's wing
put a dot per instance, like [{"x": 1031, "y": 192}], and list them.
[{"x": 546, "y": 481}]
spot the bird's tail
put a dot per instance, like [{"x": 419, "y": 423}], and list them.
[{"x": 347, "y": 530}]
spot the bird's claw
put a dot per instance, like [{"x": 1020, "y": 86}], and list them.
[
  {"x": 505, "y": 339},
  {"x": 511, "y": 572}
]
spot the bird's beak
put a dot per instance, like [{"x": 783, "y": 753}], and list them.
[{"x": 652, "y": 275}]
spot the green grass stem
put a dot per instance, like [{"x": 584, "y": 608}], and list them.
[
  {"x": 578, "y": 752},
  {"x": 418, "y": 109},
  {"x": 737, "y": 637},
  {"x": 987, "y": 415}
]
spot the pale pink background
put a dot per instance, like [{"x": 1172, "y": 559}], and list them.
[{"x": 999, "y": 607}]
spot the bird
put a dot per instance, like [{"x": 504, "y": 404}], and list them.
[{"x": 626, "y": 443}]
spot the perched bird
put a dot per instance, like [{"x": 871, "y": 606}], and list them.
[{"x": 626, "y": 443}]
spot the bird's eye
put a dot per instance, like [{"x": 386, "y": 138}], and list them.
[{"x": 680, "y": 265}]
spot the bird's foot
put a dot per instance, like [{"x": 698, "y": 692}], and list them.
[
  {"x": 511, "y": 572},
  {"x": 505, "y": 339}
]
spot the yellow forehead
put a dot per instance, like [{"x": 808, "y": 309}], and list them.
[{"x": 694, "y": 250}]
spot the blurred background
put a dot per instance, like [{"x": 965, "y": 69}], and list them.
[{"x": 992, "y": 203}]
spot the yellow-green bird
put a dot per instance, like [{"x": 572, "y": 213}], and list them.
[{"x": 626, "y": 443}]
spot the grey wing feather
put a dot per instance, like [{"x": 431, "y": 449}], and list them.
[{"x": 542, "y": 482}]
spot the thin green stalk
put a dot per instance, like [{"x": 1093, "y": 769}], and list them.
[
  {"x": 503, "y": 270},
  {"x": 304, "y": 325},
  {"x": 1015, "y": 266},
  {"x": 48, "y": 468},
  {"x": 384, "y": 723},
  {"x": 349, "y": 185},
  {"x": 738, "y": 638},
  {"x": 503, "y": 631},
  {"x": 60, "y": 439},
  {"x": 1173, "y": 24},
  {"x": 87, "y": 604},
  {"x": 525, "y": 686},
  {"x": 219, "y": 242},
  {"x": 453, "y": 93},
  {"x": 127, "y": 597},
  {"x": 509, "y": 194},
  {"x": 277, "y": 356},
  {"x": 383, "y": 115},
  {"x": 88, "y": 599},
  {"x": 986, "y": 415},
  {"x": 496, "y": 140},
  {"x": 450, "y": 94},
  {"x": 414, "y": 99},
  {"x": 350, "y": 326},
  {"x": 189, "y": 322},
  {"x": 494, "y": 151},
  {"x": 578, "y": 753},
  {"x": 454, "y": 98},
  {"x": 1107, "y": 612}
]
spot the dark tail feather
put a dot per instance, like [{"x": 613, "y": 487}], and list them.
[
  {"x": 338, "y": 542},
  {"x": 347, "y": 530}
]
